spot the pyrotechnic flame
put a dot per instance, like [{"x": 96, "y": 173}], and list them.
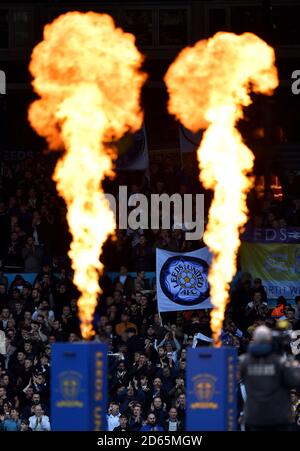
[
  {"x": 86, "y": 72},
  {"x": 208, "y": 86}
]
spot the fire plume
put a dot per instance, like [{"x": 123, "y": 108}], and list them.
[
  {"x": 208, "y": 85},
  {"x": 87, "y": 75}
]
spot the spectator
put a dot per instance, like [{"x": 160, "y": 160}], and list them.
[
  {"x": 142, "y": 255},
  {"x": 256, "y": 310},
  {"x": 11, "y": 421},
  {"x": 177, "y": 389},
  {"x": 181, "y": 406},
  {"x": 25, "y": 425},
  {"x": 295, "y": 401},
  {"x": 258, "y": 288},
  {"x": 39, "y": 421},
  {"x": 136, "y": 419},
  {"x": 297, "y": 308},
  {"x": 29, "y": 410},
  {"x": 113, "y": 416},
  {"x": 172, "y": 345},
  {"x": 159, "y": 409},
  {"x": 158, "y": 390},
  {"x": 172, "y": 423},
  {"x": 124, "y": 324},
  {"x": 32, "y": 256},
  {"x": 280, "y": 306},
  {"x": 125, "y": 280},
  {"x": 123, "y": 424},
  {"x": 13, "y": 258},
  {"x": 4, "y": 317},
  {"x": 151, "y": 424}
]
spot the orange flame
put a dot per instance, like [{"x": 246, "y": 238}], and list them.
[
  {"x": 86, "y": 72},
  {"x": 208, "y": 85}
]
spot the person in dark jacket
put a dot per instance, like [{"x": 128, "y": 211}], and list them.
[
  {"x": 125, "y": 279},
  {"x": 172, "y": 423},
  {"x": 268, "y": 378},
  {"x": 123, "y": 424}
]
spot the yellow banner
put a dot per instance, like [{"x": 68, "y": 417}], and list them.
[{"x": 278, "y": 265}]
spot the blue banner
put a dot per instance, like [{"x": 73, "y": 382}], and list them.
[
  {"x": 189, "y": 141},
  {"x": 133, "y": 152},
  {"x": 211, "y": 389},
  {"x": 181, "y": 280},
  {"x": 269, "y": 235},
  {"x": 78, "y": 387}
]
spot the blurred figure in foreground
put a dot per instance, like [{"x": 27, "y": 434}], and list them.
[{"x": 268, "y": 378}]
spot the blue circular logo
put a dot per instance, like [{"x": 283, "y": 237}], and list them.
[{"x": 184, "y": 280}]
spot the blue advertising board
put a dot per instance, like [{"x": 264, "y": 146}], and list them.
[
  {"x": 78, "y": 386},
  {"x": 211, "y": 389}
]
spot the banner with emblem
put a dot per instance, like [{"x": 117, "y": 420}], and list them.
[
  {"x": 211, "y": 390},
  {"x": 79, "y": 386},
  {"x": 181, "y": 280},
  {"x": 277, "y": 265}
]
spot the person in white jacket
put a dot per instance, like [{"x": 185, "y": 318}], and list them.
[{"x": 39, "y": 421}]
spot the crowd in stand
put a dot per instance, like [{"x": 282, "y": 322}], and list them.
[{"x": 147, "y": 351}]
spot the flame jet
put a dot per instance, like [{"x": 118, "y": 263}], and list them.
[
  {"x": 208, "y": 86},
  {"x": 87, "y": 75}
]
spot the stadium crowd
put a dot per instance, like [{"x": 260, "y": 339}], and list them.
[{"x": 147, "y": 351}]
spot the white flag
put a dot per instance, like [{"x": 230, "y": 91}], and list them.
[{"x": 181, "y": 280}]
